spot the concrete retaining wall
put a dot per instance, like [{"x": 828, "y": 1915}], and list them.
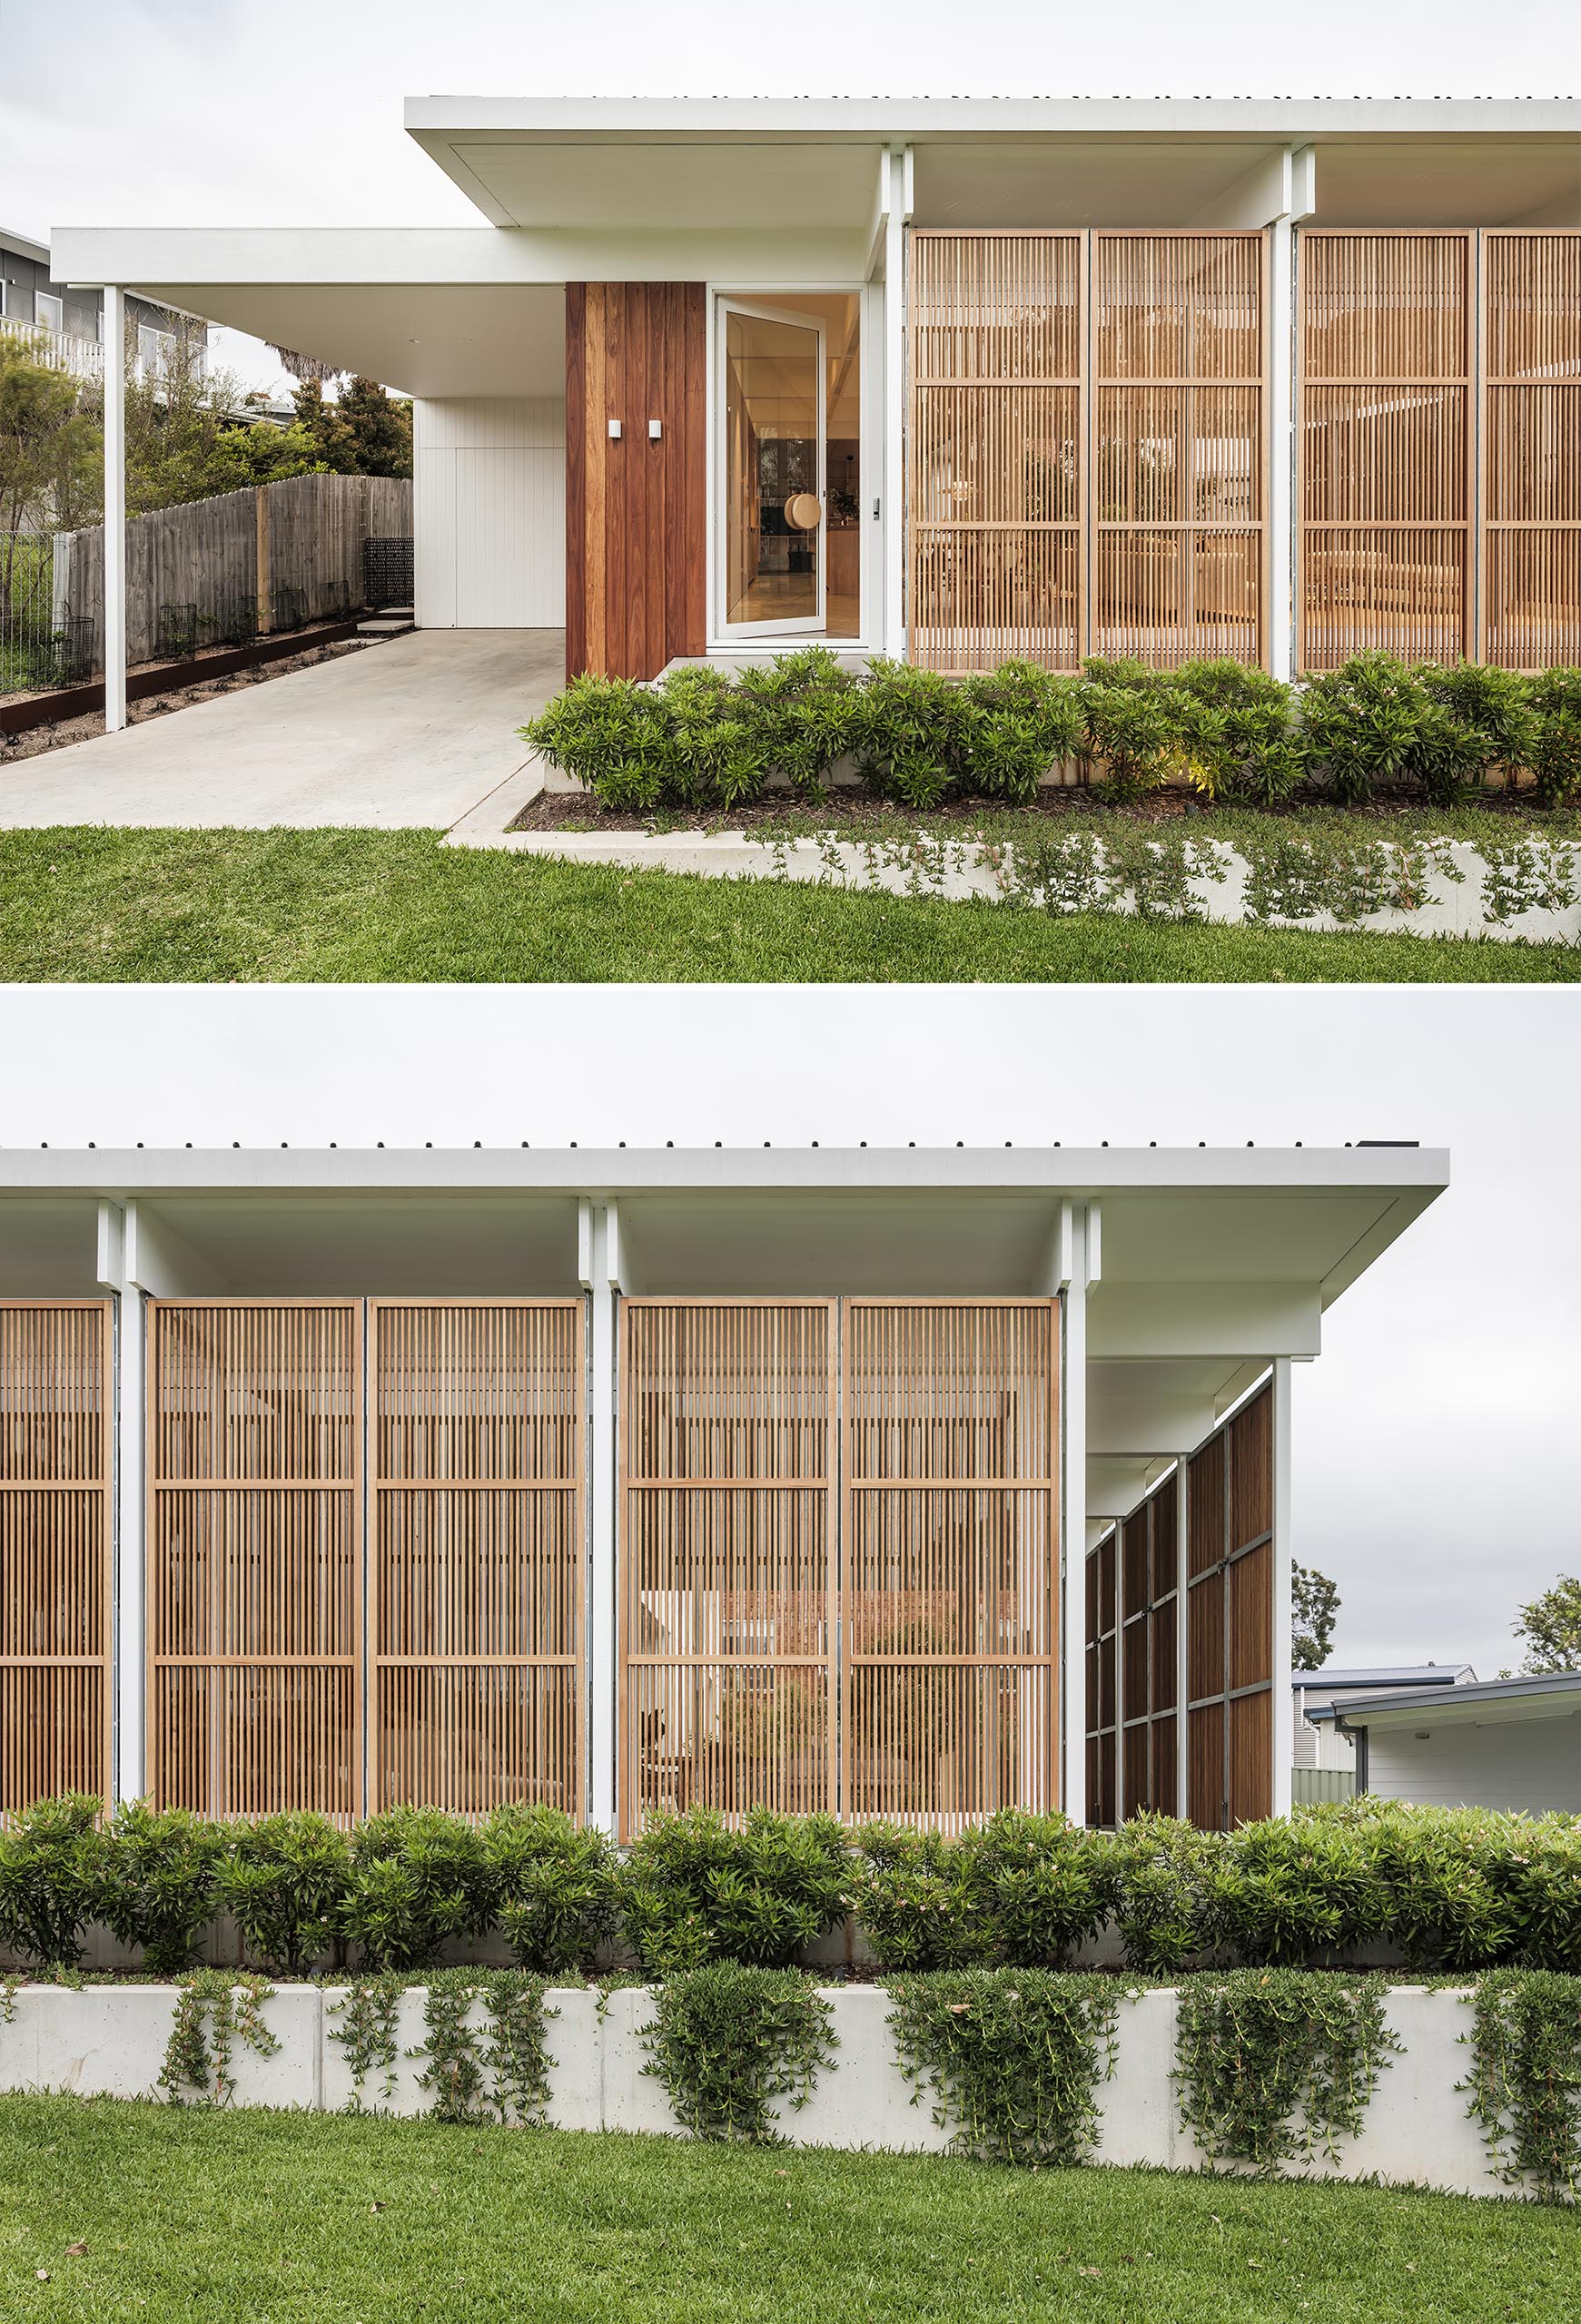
[{"x": 111, "y": 2040}]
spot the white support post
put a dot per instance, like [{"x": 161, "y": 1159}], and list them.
[
  {"x": 894, "y": 352},
  {"x": 128, "y": 1595},
  {"x": 1182, "y": 1638},
  {"x": 1283, "y": 1724},
  {"x": 1296, "y": 203},
  {"x": 1077, "y": 1242},
  {"x": 115, "y": 510},
  {"x": 599, "y": 1244}
]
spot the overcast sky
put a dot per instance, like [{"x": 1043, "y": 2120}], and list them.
[
  {"x": 208, "y": 112},
  {"x": 1436, "y": 1437}
]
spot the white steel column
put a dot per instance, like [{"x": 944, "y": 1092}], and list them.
[
  {"x": 1284, "y": 1725},
  {"x": 894, "y": 374},
  {"x": 599, "y": 1244},
  {"x": 1297, "y": 196},
  {"x": 1182, "y": 1638},
  {"x": 128, "y": 1662},
  {"x": 115, "y": 510},
  {"x": 1077, "y": 1267}
]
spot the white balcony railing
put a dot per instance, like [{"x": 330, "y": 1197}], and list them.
[{"x": 58, "y": 351}]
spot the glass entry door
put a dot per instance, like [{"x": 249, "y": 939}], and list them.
[{"x": 772, "y": 484}]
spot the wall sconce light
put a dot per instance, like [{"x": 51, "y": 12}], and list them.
[
  {"x": 615, "y": 430},
  {"x": 655, "y": 430}
]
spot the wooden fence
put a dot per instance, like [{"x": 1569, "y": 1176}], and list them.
[
  {"x": 839, "y": 1537},
  {"x": 57, "y": 1537},
  {"x": 224, "y": 571},
  {"x": 1439, "y": 384},
  {"x": 1134, "y": 1639}
]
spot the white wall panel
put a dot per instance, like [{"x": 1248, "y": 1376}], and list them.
[
  {"x": 1534, "y": 1765},
  {"x": 490, "y": 513}
]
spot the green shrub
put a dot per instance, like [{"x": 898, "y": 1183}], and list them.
[
  {"x": 552, "y": 1887},
  {"x": 1525, "y": 2081},
  {"x": 1555, "y": 745},
  {"x": 1044, "y": 1884},
  {"x": 917, "y": 1902},
  {"x": 1163, "y": 1899},
  {"x": 1240, "y": 738},
  {"x": 283, "y": 1883},
  {"x": 1135, "y": 731},
  {"x": 914, "y": 733},
  {"x": 693, "y": 1890},
  {"x": 1011, "y": 2057},
  {"x": 161, "y": 1885},
  {"x": 1363, "y": 722},
  {"x": 808, "y": 712},
  {"x": 417, "y": 1878},
  {"x": 52, "y": 1872},
  {"x": 726, "y": 2041},
  {"x": 1270, "y": 2064},
  {"x": 1289, "y": 1892}
]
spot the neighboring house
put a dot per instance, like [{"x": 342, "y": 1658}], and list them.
[
  {"x": 1323, "y": 1758},
  {"x": 909, "y": 1484},
  {"x": 964, "y": 378},
  {"x": 73, "y": 319},
  {"x": 1506, "y": 1743}
]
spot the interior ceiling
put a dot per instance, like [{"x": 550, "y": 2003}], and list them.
[{"x": 425, "y": 339}]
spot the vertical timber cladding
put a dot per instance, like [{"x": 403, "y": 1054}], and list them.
[
  {"x": 1149, "y": 1598},
  {"x": 477, "y": 1564},
  {"x": 254, "y": 1585},
  {"x": 1103, "y": 1676},
  {"x": 1230, "y": 1630},
  {"x": 1385, "y": 355},
  {"x": 1087, "y": 458},
  {"x": 838, "y": 1572},
  {"x": 635, "y": 504},
  {"x": 57, "y": 1537},
  {"x": 728, "y": 1526},
  {"x": 1531, "y": 596}
]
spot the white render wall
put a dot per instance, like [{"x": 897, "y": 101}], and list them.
[
  {"x": 110, "y": 2040},
  {"x": 1531, "y": 1764},
  {"x": 490, "y": 501}
]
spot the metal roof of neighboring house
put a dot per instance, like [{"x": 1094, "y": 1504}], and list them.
[
  {"x": 1386, "y": 1674},
  {"x": 37, "y": 253},
  {"x": 1488, "y": 1702}
]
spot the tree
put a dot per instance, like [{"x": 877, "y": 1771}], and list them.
[
  {"x": 51, "y": 457},
  {"x": 187, "y": 433},
  {"x": 365, "y": 432},
  {"x": 1550, "y": 1627},
  {"x": 1315, "y": 1604}
]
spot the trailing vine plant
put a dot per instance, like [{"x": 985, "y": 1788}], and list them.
[
  {"x": 1525, "y": 2082},
  {"x": 477, "y": 2077},
  {"x": 1270, "y": 2063},
  {"x": 366, "y": 2031},
  {"x": 726, "y": 2041},
  {"x": 1012, "y": 2058},
  {"x": 214, "y": 2010}
]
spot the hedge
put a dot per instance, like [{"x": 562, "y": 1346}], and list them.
[
  {"x": 1445, "y": 1890},
  {"x": 704, "y": 738}
]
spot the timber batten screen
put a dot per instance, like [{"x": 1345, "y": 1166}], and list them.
[
  {"x": 478, "y": 1556},
  {"x": 254, "y": 1594},
  {"x": 950, "y": 1559},
  {"x": 1087, "y": 454},
  {"x": 728, "y": 1509},
  {"x": 57, "y": 1540},
  {"x": 1531, "y": 597},
  {"x": 1229, "y": 1657},
  {"x": 1133, "y": 1650},
  {"x": 839, "y": 1556}
]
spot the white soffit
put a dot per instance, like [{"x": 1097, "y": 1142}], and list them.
[{"x": 770, "y": 187}]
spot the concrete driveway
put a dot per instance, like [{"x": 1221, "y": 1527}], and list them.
[{"x": 411, "y": 734}]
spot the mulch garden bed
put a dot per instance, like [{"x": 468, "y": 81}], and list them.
[{"x": 33, "y": 740}]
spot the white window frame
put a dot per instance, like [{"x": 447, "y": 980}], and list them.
[{"x": 43, "y": 299}]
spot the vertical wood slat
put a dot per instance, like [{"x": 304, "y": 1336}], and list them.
[
  {"x": 255, "y": 1563},
  {"x": 1132, "y": 1605},
  {"x": 728, "y": 1505},
  {"x": 1386, "y": 445},
  {"x": 636, "y": 508},
  {"x": 1529, "y": 470},
  {"x": 1229, "y": 1613},
  {"x": 1103, "y": 1660},
  {"x": 949, "y": 1558},
  {"x": 477, "y": 1553},
  {"x": 57, "y": 1540}
]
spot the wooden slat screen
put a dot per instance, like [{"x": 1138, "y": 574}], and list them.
[
  {"x": 57, "y": 1540},
  {"x": 1229, "y": 1633},
  {"x": 1087, "y": 450},
  {"x": 477, "y": 1553},
  {"x": 728, "y": 1505},
  {"x": 1178, "y": 482},
  {"x": 1102, "y": 1657},
  {"x": 1384, "y": 370},
  {"x": 1149, "y": 1683},
  {"x": 635, "y": 505},
  {"x": 996, "y": 466},
  {"x": 1531, "y": 448},
  {"x": 949, "y": 1558},
  {"x": 254, "y": 1601}
]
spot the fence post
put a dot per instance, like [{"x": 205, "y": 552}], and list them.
[{"x": 260, "y": 576}]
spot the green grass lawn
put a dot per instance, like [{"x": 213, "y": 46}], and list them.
[
  {"x": 357, "y": 906},
  {"x": 272, "y": 2218}
]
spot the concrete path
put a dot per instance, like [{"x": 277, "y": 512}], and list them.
[{"x": 411, "y": 734}]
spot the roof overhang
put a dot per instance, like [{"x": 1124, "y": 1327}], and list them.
[{"x": 1492, "y": 1704}]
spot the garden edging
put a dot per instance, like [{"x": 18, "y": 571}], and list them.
[{"x": 111, "y": 2040}]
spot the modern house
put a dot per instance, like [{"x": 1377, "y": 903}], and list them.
[
  {"x": 1505, "y": 1743},
  {"x": 910, "y": 1483},
  {"x": 960, "y": 378},
  {"x": 66, "y": 321}
]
